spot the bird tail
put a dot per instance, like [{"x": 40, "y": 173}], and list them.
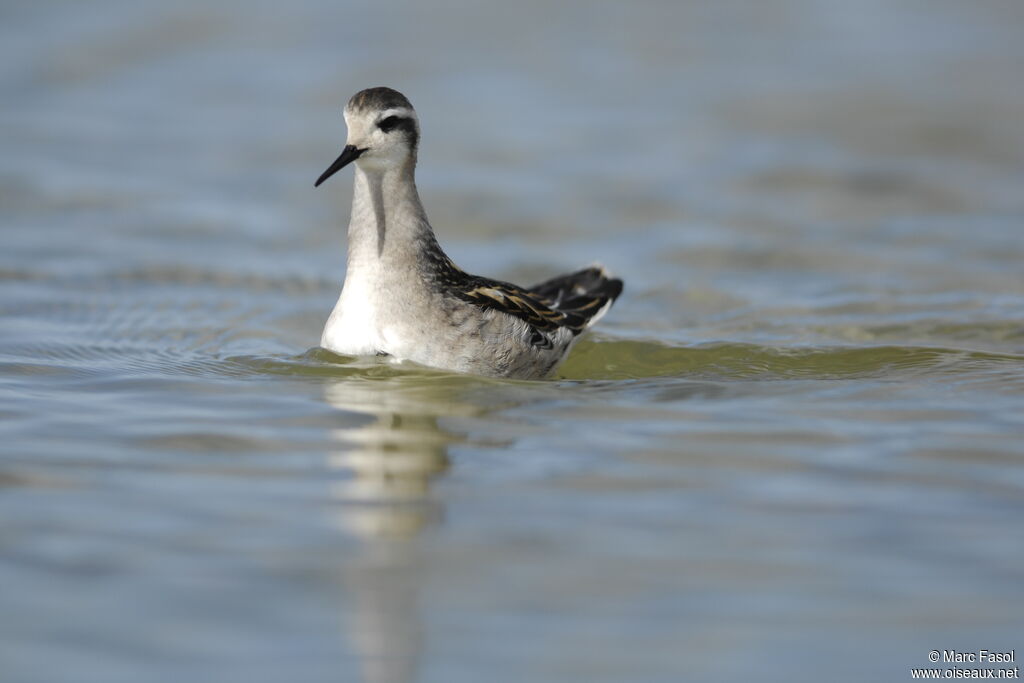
[{"x": 586, "y": 294}]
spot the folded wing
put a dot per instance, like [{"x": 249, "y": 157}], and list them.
[{"x": 574, "y": 301}]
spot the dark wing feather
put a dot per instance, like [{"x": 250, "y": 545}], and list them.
[
  {"x": 581, "y": 294},
  {"x": 517, "y": 302},
  {"x": 568, "y": 301}
]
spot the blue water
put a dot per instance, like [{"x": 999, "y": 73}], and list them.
[{"x": 792, "y": 451}]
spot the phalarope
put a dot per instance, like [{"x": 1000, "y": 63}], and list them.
[{"x": 405, "y": 298}]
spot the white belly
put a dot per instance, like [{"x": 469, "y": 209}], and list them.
[{"x": 352, "y": 330}]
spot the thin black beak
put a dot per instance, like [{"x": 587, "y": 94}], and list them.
[{"x": 348, "y": 155}]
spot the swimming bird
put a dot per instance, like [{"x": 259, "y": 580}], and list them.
[{"x": 403, "y": 297}]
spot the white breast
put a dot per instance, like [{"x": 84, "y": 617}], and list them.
[{"x": 352, "y": 328}]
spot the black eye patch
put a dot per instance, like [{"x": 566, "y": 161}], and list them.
[
  {"x": 405, "y": 124},
  {"x": 390, "y": 123}
]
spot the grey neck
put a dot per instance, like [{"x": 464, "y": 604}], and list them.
[{"x": 388, "y": 220}]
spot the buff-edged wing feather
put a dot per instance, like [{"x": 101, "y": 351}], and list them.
[
  {"x": 571, "y": 301},
  {"x": 586, "y": 294}
]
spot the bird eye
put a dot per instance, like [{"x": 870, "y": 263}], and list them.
[{"x": 390, "y": 123}]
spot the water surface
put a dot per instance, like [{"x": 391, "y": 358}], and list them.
[{"x": 792, "y": 450}]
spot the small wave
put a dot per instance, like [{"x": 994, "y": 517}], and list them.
[
  {"x": 610, "y": 360},
  {"x": 593, "y": 359},
  {"x": 626, "y": 359}
]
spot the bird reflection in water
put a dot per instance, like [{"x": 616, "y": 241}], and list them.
[{"x": 385, "y": 500}]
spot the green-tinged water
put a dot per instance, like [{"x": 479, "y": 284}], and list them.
[{"x": 791, "y": 451}]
